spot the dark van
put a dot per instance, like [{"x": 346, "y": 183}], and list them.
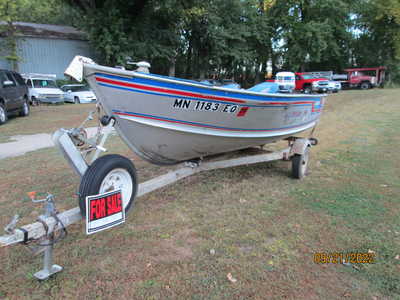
[{"x": 13, "y": 95}]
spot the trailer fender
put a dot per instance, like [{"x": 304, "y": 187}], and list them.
[{"x": 299, "y": 146}]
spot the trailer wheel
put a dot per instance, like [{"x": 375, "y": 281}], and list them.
[
  {"x": 108, "y": 173},
  {"x": 300, "y": 164}
]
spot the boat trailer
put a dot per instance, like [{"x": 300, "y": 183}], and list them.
[{"x": 50, "y": 227}]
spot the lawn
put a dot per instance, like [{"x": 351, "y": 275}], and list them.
[
  {"x": 46, "y": 119},
  {"x": 254, "y": 223}
]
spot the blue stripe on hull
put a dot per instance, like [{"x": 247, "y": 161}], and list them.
[{"x": 193, "y": 98}]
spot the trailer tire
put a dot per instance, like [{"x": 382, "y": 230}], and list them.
[
  {"x": 300, "y": 164},
  {"x": 107, "y": 173}
]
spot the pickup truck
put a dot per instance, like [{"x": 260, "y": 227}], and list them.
[
  {"x": 13, "y": 95},
  {"x": 43, "y": 88},
  {"x": 307, "y": 83},
  {"x": 363, "y": 78}
]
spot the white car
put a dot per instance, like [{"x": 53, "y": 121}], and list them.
[
  {"x": 43, "y": 88},
  {"x": 334, "y": 86},
  {"x": 78, "y": 93}
]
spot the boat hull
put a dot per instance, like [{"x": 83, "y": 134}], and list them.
[{"x": 166, "y": 121}]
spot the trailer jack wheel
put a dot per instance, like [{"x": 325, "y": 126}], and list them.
[
  {"x": 300, "y": 164},
  {"x": 108, "y": 173}
]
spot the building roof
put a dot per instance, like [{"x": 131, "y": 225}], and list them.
[{"x": 48, "y": 31}]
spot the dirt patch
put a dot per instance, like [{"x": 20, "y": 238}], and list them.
[{"x": 178, "y": 247}]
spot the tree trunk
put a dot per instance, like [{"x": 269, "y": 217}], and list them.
[
  {"x": 202, "y": 73},
  {"x": 257, "y": 79},
  {"x": 172, "y": 66},
  {"x": 12, "y": 46},
  {"x": 188, "y": 70}
]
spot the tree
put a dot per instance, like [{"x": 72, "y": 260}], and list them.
[
  {"x": 236, "y": 38},
  {"x": 313, "y": 34},
  {"x": 137, "y": 29},
  {"x": 46, "y": 12},
  {"x": 378, "y": 38},
  {"x": 9, "y": 10}
]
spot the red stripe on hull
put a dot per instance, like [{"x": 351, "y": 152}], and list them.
[
  {"x": 162, "y": 90},
  {"x": 188, "y": 94},
  {"x": 243, "y": 111}
]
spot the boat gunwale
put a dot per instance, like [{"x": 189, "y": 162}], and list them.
[{"x": 120, "y": 72}]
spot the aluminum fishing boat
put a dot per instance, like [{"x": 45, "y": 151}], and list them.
[{"x": 167, "y": 120}]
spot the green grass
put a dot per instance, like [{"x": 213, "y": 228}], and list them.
[
  {"x": 46, "y": 119},
  {"x": 364, "y": 197}
]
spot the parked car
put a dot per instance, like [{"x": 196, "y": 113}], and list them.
[
  {"x": 78, "y": 93},
  {"x": 308, "y": 83},
  {"x": 13, "y": 95},
  {"x": 286, "y": 82},
  {"x": 43, "y": 88},
  {"x": 334, "y": 86},
  {"x": 320, "y": 86}
]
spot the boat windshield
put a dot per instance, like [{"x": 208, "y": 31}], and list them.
[{"x": 44, "y": 83}]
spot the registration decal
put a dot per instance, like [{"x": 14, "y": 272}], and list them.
[
  {"x": 198, "y": 105},
  {"x": 242, "y": 112}
]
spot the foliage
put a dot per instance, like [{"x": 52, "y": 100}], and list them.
[
  {"x": 8, "y": 12},
  {"x": 37, "y": 11},
  {"x": 314, "y": 33},
  {"x": 220, "y": 38},
  {"x": 45, "y": 12},
  {"x": 230, "y": 38},
  {"x": 11, "y": 11},
  {"x": 379, "y": 38}
]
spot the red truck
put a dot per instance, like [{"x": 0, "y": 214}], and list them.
[
  {"x": 308, "y": 83},
  {"x": 357, "y": 78}
]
